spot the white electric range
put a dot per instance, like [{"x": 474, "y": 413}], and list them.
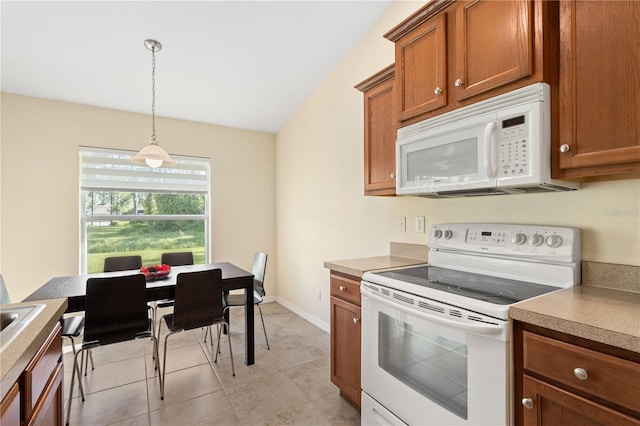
[{"x": 436, "y": 338}]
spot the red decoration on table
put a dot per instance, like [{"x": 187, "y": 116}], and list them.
[{"x": 156, "y": 272}]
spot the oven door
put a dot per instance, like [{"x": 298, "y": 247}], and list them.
[{"x": 428, "y": 371}]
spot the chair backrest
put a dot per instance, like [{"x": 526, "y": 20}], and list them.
[
  {"x": 122, "y": 263},
  {"x": 4, "y": 294},
  {"x": 115, "y": 309},
  {"x": 258, "y": 270},
  {"x": 198, "y": 299},
  {"x": 177, "y": 259}
]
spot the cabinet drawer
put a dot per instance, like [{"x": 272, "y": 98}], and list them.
[
  {"x": 40, "y": 369},
  {"x": 607, "y": 377},
  {"x": 345, "y": 288}
]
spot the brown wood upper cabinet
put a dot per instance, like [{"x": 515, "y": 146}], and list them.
[
  {"x": 599, "y": 89},
  {"x": 451, "y": 54},
  {"x": 379, "y": 133},
  {"x": 495, "y": 45}
]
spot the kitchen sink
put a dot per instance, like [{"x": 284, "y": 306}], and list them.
[{"x": 14, "y": 319}]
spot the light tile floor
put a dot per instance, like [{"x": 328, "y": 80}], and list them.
[{"x": 288, "y": 384}]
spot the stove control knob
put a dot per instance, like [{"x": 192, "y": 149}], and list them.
[
  {"x": 448, "y": 234},
  {"x": 536, "y": 240},
  {"x": 519, "y": 239},
  {"x": 554, "y": 241},
  {"x": 437, "y": 233}
]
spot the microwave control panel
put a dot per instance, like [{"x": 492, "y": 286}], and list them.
[{"x": 513, "y": 153}]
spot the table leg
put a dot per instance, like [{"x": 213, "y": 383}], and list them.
[{"x": 249, "y": 324}]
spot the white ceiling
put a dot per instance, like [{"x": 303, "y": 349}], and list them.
[{"x": 243, "y": 64}]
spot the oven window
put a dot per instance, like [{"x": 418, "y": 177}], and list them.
[{"x": 432, "y": 365}]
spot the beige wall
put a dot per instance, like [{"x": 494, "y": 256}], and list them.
[
  {"x": 323, "y": 215},
  {"x": 39, "y": 184},
  {"x": 306, "y": 182}
]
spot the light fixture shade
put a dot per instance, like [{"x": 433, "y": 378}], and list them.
[{"x": 153, "y": 155}]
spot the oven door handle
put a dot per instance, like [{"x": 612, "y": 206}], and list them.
[{"x": 486, "y": 329}]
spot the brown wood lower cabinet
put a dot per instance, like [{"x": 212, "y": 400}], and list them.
[
  {"x": 565, "y": 380},
  {"x": 10, "y": 407},
  {"x": 49, "y": 409},
  {"x": 553, "y": 406},
  {"x": 345, "y": 336}
]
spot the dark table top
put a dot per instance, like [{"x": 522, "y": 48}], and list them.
[{"x": 74, "y": 287}]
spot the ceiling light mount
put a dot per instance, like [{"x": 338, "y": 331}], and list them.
[
  {"x": 153, "y": 155},
  {"x": 153, "y": 45}
]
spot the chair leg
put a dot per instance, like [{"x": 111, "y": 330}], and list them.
[
  {"x": 220, "y": 328},
  {"x": 218, "y": 345},
  {"x": 233, "y": 369},
  {"x": 207, "y": 331},
  {"x": 75, "y": 372},
  {"x": 163, "y": 371},
  {"x": 263, "y": 327}
]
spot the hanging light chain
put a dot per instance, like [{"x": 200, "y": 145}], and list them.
[{"x": 153, "y": 93}]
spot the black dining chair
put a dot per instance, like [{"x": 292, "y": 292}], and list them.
[
  {"x": 72, "y": 326},
  {"x": 258, "y": 270},
  {"x": 198, "y": 304},
  {"x": 172, "y": 259},
  {"x": 121, "y": 263},
  {"x": 115, "y": 311}
]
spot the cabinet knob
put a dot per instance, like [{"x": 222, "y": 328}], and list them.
[
  {"x": 527, "y": 403},
  {"x": 564, "y": 148},
  {"x": 356, "y": 320},
  {"x": 580, "y": 373},
  {"x": 392, "y": 175},
  {"x": 342, "y": 288},
  {"x": 458, "y": 83},
  {"x": 437, "y": 91}
]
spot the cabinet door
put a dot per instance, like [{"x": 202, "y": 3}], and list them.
[
  {"x": 10, "y": 407},
  {"x": 553, "y": 406},
  {"x": 494, "y": 45},
  {"x": 380, "y": 140},
  {"x": 345, "y": 348},
  {"x": 421, "y": 68},
  {"x": 599, "y": 88},
  {"x": 49, "y": 410}
]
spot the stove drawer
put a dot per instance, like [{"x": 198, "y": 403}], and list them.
[
  {"x": 345, "y": 288},
  {"x": 600, "y": 375}
]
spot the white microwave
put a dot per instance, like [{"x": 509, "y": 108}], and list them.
[{"x": 501, "y": 145}]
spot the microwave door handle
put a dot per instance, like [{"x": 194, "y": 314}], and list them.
[
  {"x": 489, "y": 142},
  {"x": 485, "y": 329}
]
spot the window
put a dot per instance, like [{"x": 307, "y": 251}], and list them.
[{"x": 131, "y": 209}]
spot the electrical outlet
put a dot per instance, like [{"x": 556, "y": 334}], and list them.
[
  {"x": 420, "y": 224},
  {"x": 318, "y": 294},
  {"x": 402, "y": 224}
]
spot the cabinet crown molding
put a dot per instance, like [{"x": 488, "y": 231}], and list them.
[{"x": 417, "y": 18}]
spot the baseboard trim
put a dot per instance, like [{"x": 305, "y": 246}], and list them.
[{"x": 304, "y": 314}]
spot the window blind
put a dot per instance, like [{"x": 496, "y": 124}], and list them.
[{"x": 111, "y": 170}]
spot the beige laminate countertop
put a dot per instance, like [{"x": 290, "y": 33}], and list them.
[
  {"x": 15, "y": 357},
  {"x": 604, "y": 315},
  {"x": 357, "y": 267}
]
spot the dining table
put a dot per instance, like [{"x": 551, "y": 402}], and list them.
[{"x": 73, "y": 288}]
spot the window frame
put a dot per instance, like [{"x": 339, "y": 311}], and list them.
[{"x": 205, "y": 164}]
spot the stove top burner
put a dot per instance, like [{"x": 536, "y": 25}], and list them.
[
  {"x": 490, "y": 289},
  {"x": 479, "y": 292}
]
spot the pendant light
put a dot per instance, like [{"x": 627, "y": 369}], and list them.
[{"x": 153, "y": 155}]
